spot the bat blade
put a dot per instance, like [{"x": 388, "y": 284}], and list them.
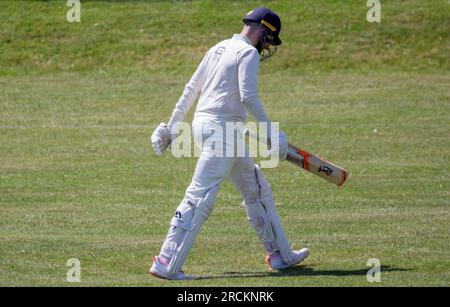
[
  {"x": 318, "y": 166},
  {"x": 311, "y": 163}
]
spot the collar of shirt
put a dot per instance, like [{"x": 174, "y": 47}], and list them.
[{"x": 243, "y": 38}]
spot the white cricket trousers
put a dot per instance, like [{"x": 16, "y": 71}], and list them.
[
  {"x": 211, "y": 170},
  {"x": 209, "y": 173}
]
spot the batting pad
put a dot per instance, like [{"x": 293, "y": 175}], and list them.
[
  {"x": 258, "y": 218},
  {"x": 200, "y": 214},
  {"x": 268, "y": 203}
]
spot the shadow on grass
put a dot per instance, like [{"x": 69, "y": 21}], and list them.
[{"x": 300, "y": 271}]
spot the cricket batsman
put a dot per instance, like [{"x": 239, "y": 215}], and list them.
[{"x": 225, "y": 84}]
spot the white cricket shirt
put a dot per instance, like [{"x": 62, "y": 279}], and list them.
[{"x": 226, "y": 81}]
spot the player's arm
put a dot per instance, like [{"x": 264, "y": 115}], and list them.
[
  {"x": 190, "y": 94},
  {"x": 248, "y": 84},
  {"x": 248, "y": 87},
  {"x": 162, "y": 136}
]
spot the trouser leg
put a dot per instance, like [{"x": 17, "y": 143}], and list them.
[{"x": 194, "y": 210}]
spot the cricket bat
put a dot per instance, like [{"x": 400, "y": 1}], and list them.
[{"x": 313, "y": 164}]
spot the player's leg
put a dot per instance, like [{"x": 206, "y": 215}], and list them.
[
  {"x": 190, "y": 215},
  {"x": 262, "y": 214},
  {"x": 192, "y": 212}
]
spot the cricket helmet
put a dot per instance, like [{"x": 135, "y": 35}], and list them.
[{"x": 269, "y": 19}]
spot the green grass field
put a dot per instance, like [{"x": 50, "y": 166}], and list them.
[{"x": 79, "y": 102}]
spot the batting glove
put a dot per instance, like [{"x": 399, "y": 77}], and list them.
[
  {"x": 283, "y": 145},
  {"x": 161, "y": 139}
]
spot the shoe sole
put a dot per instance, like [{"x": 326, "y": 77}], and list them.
[
  {"x": 165, "y": 277},
  {"x": 157, "y": 276},
  {"x": 287, "y": 266}
]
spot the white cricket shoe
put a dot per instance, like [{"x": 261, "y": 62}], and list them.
[
  {"x": 275, "y": 262},
  {"x": 159, "y": 269}
]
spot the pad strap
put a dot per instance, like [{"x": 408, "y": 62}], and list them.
[{"x": 175, "y": 222}]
